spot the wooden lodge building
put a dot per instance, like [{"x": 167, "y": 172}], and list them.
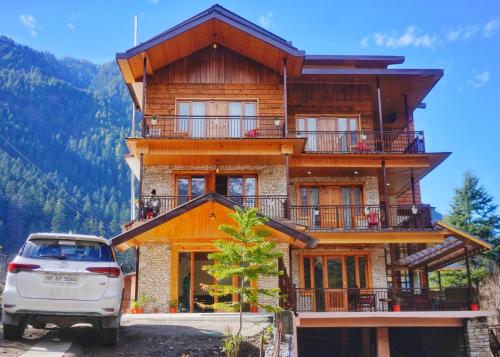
[{"x": 326, "y": 147}]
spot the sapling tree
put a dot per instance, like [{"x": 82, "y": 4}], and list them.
[{"x": 246, "y": 254}]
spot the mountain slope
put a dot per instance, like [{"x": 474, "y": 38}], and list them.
[{"x": 68, "y": 117}]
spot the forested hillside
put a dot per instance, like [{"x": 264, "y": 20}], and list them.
[{"x": 69, "y": 118}]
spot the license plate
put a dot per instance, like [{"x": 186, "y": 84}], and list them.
[{"x": 64, "y": 279}]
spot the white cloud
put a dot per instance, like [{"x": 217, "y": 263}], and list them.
[
  {"x": 29, "y": 22},
  {"x": 479, "y": 79},
  {"x": 71, "y": 26},
  {"x": 266, "y": 20},
  {"x": 410, "y": 37},
  {"x": 413, "y": 36}
]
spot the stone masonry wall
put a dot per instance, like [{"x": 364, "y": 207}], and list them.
[
  {"x": 154, "y": 274},
  {"x": 272, "y": 282},
  {"x": 379, "y": 279},
  {"x": 476, "y": 337},
  {"x": 370, "y": 185},
  {"x": 271, "y": 178}
]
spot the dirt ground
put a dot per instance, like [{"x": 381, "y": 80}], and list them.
[{"x": 142, "y": 335}]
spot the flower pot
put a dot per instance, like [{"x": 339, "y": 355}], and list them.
[
  {"x": 172, "y": 310},
  {"x": 254, "y": 309},
  {"x": 396, "y": 307},
  {"x": 474, "y": 307},
  {"x": 137, "y": 310}
]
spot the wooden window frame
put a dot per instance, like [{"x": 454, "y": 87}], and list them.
[
  {"x": 189, "y": 177},
  {"x": 300, "y": 186},
  {"x": 329, "y": 116},
  {"x": 343, "y": 256}
]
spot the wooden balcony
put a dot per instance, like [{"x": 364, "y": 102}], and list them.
[
  {"x": 362, "y": 217},
  {"x": 360, "y": 142},
  {"x": 271, "y": 206},
  {"x": 213, "y": 127},
  {"x": 385, "y": 299}
]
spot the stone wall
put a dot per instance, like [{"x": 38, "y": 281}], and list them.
[
  {"x": 379, "y": 279},
  {"x": 476, "y": 337},
  {"x": 270, "y": 181},
  {"x": 154, "y": 274},
  {"x": 370, "y": 186},
  {"x": 272, "y": 281}
]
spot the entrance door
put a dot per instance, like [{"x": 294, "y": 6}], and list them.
[{"x": 191, "y": 277}]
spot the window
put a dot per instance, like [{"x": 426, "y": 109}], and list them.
[
  {"x": 190, "y": 187},
  {"x": 328, "y": 133},
  {"x": 240, "y": 188},
  {"x": 225, "y": 119},
  {"x": 74, "y": 250}
]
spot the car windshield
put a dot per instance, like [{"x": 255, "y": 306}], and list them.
[{"x": 65, "y": 249}]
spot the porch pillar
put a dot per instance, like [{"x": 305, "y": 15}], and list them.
[
  {"x": 285, "y": 98},
  {"x": 137, "y": 257},
  {"x": 144, "y": 80},
  {"x": 386, "y": 195},
  {"x": 467, "y": 266},
  {"x": 439, "y": 280},
  {"x": 383, "y": 347},
  {"x": 380, "y": 117},
  {"x": 413, "y": 193},
  {"x": 407, "y": 120},
  {"x": 141, "y": 176}
]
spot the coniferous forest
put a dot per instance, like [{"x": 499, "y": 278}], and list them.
[{"x": 63, "y": 122}]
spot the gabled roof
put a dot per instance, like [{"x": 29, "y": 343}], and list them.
[
  {"x": 456, "y": 246},
  {"x": 214, "y": 25},
  {"x": 302, "y": 238}
]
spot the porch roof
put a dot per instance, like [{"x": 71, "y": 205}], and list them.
[
  {"x": 223, "y": 206},
  {"x": 457, "y": 246}
]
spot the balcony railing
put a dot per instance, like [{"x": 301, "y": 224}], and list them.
[
  {"x": 213, "y": 127},
  {"x": 362, "y": 217},
  {"x": 363, "y": 141},
  {"x": 389, "y": 299},
  {"x": 271, "y": 206}
]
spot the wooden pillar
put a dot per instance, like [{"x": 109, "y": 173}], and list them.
[
  {"x": 439, "y": 280},
  {"x": 467, "y": 266},
  {"x": 392, "y": 252},
  {"x": 144, "y": 85},
  {"x": 137, "y": 258},
  {"x": 285, "y": 98},
  {"x": 287, "y": 182},
  {"x": 426, "y": 270},
  {"x": 380, "y": 116},
  {"x": 386, "y": 195},
  {"x": 413, "y": 193},
  {"x": 141, "y": 176},
  {"x": 407, "y": 120},
  {"x": 383, "y": 347}
]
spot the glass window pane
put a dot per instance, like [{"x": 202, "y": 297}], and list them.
[
  {"x": 250, "y": 112},
  {"x": 353, "y": 124},
  {"x": 234, "y": 111},
  {"x": 311, "y": 134},
  {"x": 334, "y": 267},
  {"x": 351, "y": 272},
  {"x": 250, "y": 186},
  {"x": 182, "y": 121},
  {"x": 307, "y": 272},
  {"x": 318, "y": 272},
  {"x": 357, "y": 196},
  {"x": 198, "y": 119},
  {"x": 182, "y": 190},
  {"x": 235, "y": 186},
  {"x": 362, "y": 271},
  {"x": 197, "y": 186}
]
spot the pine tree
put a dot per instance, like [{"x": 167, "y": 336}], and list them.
[
  {"x": 248, "y": 256},
  {"x": 474, "y": 211}
]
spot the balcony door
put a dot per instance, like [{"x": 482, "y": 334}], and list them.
[
  {"x": 326, "y": 280},
  {"x": 327, "y": 134},
  {"x": 330, "y": 206}
]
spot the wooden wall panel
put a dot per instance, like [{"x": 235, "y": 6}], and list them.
[
  {"x": 215, "y": 74},
  {"x": 322, "y": 98}
]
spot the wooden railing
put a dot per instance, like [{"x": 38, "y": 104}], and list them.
[
  {"x": 363, "y": 141},
  {"x": 389, "y": 299},
  {"x": 362, "y": 217},
  {"x": 213, "y": 127},
  {"x": 271, "y": 206}
]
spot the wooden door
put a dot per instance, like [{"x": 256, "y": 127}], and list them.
[
  {"x": 335, "y": 292},
  {"x": 329, "y": 200},
  {"x": 217, "y": 123},
  {"x": 326, "y": 137}
]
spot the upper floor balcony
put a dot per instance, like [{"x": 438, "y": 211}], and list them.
[
  {"x": 322, "y": 217},
  {"x": 272, "y": 127}
]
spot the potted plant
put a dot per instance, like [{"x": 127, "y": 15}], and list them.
[
  {"x": 154, "y": 119},
  {"x": 396, "y": 303},
  {"x": 254, "y": 308},
  {"x": 474, "y": 305},
  {"x": 137, "y": 306},
  {"x": 172, "y": 306}
]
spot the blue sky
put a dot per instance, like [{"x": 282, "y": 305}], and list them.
[{"x": 460, "y": 36}]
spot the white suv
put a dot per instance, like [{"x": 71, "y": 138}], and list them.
[{"x": 63, "y": 279}]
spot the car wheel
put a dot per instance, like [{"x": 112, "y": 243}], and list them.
[
  {"x": 13, "y": 332},
  {"x": 110, "y": 336}
]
